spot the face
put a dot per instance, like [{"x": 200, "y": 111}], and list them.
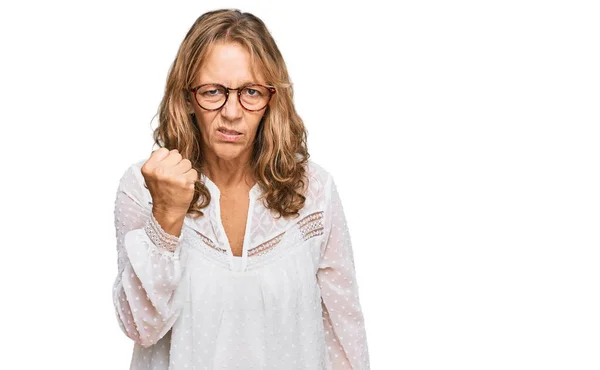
[{"x": 227, "y": 64}]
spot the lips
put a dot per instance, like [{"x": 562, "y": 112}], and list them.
[{"x": 228, "y": 132}]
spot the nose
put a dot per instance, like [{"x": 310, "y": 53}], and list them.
[{"x": 232, "y": 109}]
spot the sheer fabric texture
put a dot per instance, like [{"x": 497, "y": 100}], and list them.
[{"x": 289, "y": 302}]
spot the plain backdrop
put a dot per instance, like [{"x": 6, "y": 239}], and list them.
[{"x": 463, "y": 137}]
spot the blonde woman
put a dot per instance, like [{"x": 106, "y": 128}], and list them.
[{"x": 233, "y": 248}]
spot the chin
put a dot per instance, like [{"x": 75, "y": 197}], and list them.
[{"x": 227, "y": 154}]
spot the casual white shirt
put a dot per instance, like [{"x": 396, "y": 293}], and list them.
[{"x": 289, "y": 302}]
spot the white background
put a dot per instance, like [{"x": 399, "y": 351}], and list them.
[{"x": 463, "y": 137}]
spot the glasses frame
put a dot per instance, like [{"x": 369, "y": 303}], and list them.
[{"x": 271, "y": 90}]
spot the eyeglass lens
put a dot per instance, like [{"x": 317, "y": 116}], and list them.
[{"x": 251, "y": 97}]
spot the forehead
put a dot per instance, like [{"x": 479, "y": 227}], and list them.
[{"x": 228, "y": 63}]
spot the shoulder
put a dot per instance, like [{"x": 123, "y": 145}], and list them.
[
  {"x": 132, "y": 182},
  {"x": 132, "y": 173},
  {"x": 320, "y": 180},
  {"x": 317, "y": 174}
]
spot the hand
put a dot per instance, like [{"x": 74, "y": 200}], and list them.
[{"x": 170, "y": 179}]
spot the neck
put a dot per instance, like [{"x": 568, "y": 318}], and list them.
[{"x": 229, "y": 174}]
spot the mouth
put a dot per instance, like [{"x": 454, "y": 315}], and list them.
[
  {"x": 230, "y": 136},
  {"x": 228, "y": 132}
]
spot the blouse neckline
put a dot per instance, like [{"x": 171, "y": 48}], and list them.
[
  {"x": 237, "y": 263},
  {"x": 216, "y": 193}
]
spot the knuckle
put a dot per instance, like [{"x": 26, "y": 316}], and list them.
[
  {"x": 159, "y": 152},
  {"x": 146, "y": 170},
  {"x": 182, "y": 182}
]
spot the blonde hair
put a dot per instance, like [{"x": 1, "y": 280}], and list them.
[{"x": 280, "y": 153}]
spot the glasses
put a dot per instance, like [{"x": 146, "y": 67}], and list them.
[{"x": 252, "y": 97}]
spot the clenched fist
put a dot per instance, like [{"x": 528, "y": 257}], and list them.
[{"x": 170, "y": 179}]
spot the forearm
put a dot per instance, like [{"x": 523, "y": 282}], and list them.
[
  {"x": 150, "y": 267},
  {"x": 146, "y": 288},
  {"x": 343, "y": 319}
]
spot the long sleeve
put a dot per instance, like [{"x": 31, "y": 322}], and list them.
[
  {"x": 342, "y": 314},
  {"x": 149, "y": 281}
]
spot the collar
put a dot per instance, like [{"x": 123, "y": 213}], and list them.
[{"x": 215, "y": 193}]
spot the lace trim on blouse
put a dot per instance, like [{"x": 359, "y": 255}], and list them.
[
  {"x": 208, "y": 242},
  {"x": 266, "y": 246},
  {"x": 161, "y": 239},
  {"x": 309, "y": 226}
]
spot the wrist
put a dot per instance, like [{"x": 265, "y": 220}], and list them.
[
  {"x": 169, "y": 222},
  {"x": 163, "y": 239}
]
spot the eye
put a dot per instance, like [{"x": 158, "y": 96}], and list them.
[
  {"x": 211, "y": 91},
  {"x": 253, "y": 92}
]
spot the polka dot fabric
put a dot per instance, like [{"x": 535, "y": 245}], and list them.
[{"x": 188, "y": 303}]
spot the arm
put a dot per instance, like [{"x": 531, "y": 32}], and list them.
[
  {"x": 343, "y": 320},
  {"x": 150, "y": 267}
]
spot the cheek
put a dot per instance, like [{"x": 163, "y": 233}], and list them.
[
  {"x": 256, "y": 121},
  {"x": 205, "y": 120}
]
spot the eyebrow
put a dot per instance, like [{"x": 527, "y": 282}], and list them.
[{"x": 246, "y": 82}]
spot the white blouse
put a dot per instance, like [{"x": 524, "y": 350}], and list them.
[{"x": 289, "y": 302}]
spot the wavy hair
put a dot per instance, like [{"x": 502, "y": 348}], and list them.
[{"x": 280, "y": 154}]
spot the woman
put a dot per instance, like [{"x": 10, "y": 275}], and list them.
[{"x": 233, "y": 247}]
